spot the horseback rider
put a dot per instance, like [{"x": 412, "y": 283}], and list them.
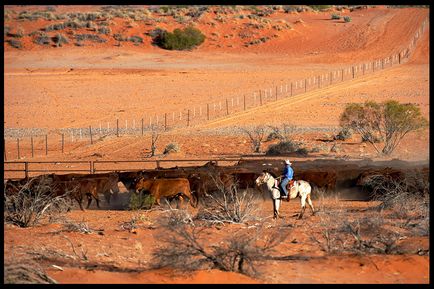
[{"x": 287, "y": 175}]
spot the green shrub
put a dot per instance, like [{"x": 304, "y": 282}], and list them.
[
  {"x": 336, "y": 16},
  {"x": 386, "y": 122},
  {"x": 185, "y": 39},
  {"x": 347, "y": 18},
  {"x": 135, "y": 39},
  {"x": 157, "y": 36},
  {"x": 172, "y": 147},
  {"x": 41, "y": 38},
  {"x": 286, "y": 147},
  {"x": 140, "y": 201},
  {"x": 59, "y": 40}
]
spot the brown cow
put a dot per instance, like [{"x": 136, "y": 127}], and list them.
[
  {"x": 77, "y": 186},
  {"x": 107, "y": 185},
  {"x": 168, "y": 188}
]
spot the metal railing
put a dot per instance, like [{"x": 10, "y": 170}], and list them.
[{"x": 26, "y": 168}]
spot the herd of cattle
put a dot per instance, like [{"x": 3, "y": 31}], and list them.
[{"x": 189, "y": 184}]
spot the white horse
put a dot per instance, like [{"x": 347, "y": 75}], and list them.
[{"x": 300, "y": 189}]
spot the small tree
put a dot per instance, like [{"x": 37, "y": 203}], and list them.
[
  {"x": 389, "y": 121},
  {"x": 155, "y": 134},
  {"x": 256, "y": 136},
  {"x": 187, "y": 38}
]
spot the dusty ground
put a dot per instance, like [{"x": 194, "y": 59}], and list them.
[
  {"x": 52, "y": 89},
  {"x": 115, "y": 253}
]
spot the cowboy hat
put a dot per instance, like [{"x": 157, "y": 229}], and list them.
[{"x": 288, "y": 162}]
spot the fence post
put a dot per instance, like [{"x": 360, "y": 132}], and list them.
[
  {"x": 165, "y": 121},
  {"x": 331, "y": 76},
  {"x": 244, "y": 96},
  {"x": 260, "y": 97},
  {"x": 276, "y": 92},
  {"x": 353, "y": 70},
  {"x": 117, "y": 127},
  {"x": 46, "y": 144},
  {"x": 91, "y": 167},
  {"x": 63, "y": 143},
  {"x": 305, "y": 85},
  {"x": 364, "y": 68},
  {"x": 188, "y": 117},
  {"x": 142, "y": 126},
  {"x": 291, "y": 88},
  {"x": 207, "y": 111},
  {"x": 373, "y": 66},
  {"x": 399, "y": 58},
  {"x": 4, "y": 149},
  {"x": 227, "y": 107},
  {"x": 31, "y": 141},
  {"x": 18, "y": 146},
  {"x": 382, "y": 63},
  {"x": 90, "y": 132},
  {"x": 26, "y": 170}
]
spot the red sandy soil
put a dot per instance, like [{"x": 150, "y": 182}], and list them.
[
  {"x": 72, "y": 87},
  {"x": 124, "y": 250}
]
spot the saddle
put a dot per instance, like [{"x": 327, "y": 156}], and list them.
[{"x": 288, "y": 186}]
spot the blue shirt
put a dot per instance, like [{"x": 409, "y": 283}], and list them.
[{"x": 288, "y": 172}]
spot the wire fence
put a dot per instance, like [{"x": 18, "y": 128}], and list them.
[{"x": 68, "y": 138}]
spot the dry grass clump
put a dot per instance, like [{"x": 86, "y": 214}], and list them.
[
  {"x": 228, "y": 205},
  {"x": 185, "y": 246},
  {"x": 15, "y": 43},
  {"x": 136, "y": 14},
  {"x": 171, "y": 148},
  {"x": 35, "y": 15},
  {"x": 25, "y": 272},
  {"x": 368, "y": 231},
  {"x": 35, "y": 199}
]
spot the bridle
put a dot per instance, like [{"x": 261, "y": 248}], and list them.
[{"x": 264, "y": 178}]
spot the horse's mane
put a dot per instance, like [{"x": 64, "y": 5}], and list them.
[{"x": 271, "y": 173}]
